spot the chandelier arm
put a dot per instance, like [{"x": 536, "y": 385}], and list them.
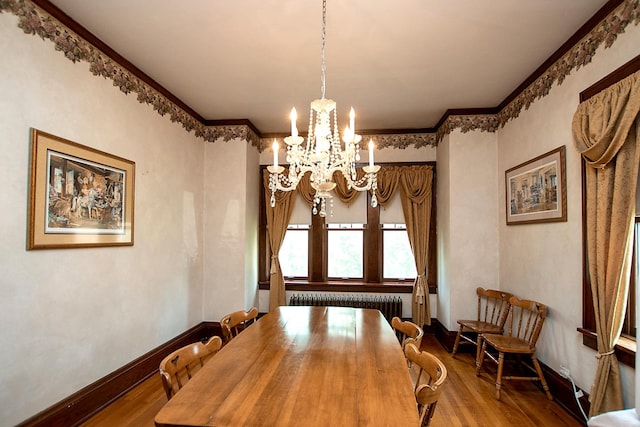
[
  {"x": 278, "y": 186},
  {"x": 288, "y": 182},
  {"x": 356, "y": 185}
]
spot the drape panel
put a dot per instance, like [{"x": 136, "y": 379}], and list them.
[
  {"x": 277, "y": 221},
  {"x": 416, "y": 197},
  {"x": 605, "y": 131}
]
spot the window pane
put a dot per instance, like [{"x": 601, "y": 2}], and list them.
[
  {"x": 397, "y": 258},
  {"x": 294, "y": 253},
  {"x": 345, "y": 253}
]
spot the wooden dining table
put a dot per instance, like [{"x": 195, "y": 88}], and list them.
[{"x": 302, "y": 366}]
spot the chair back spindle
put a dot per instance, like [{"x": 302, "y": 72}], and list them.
[
  {"x": 493, "y": 306},
  {"x": 526, "y": 320}
]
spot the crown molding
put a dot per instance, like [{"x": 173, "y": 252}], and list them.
[{"x": 42, "y": 18}]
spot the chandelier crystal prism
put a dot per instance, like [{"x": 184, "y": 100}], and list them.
[{"x": 323, "y": 154}]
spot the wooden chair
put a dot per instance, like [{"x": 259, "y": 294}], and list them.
[
  {"x": 431, "y": 376},
  {"x": 523, "y": 329},
  {"x": 407, "y": 332},
  {"x": 234, "y": 323},
  {"x": 493, "y": 307},
  {"x": 178, "y": 367}
]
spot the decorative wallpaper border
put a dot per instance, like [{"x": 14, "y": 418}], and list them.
[
  {"x": 579, "y": 55},
  {"x": 33, "y": 20}
]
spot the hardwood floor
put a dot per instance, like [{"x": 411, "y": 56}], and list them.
[{"x": 467, "y": 400}]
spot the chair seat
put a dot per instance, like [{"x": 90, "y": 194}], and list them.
[
  {"x": 480, "y": 326},
  {"x": 508, "y": 344},
  {"x": 493, "y": 307}
]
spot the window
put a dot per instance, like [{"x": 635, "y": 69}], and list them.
[
  {"x": 354, "y": 245},
  {"x": 397, "y": 258},
  {"x": 345, "y": 245},
  {"x": 294, "y": 252}
]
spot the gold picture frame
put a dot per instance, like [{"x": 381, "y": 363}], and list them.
[
  {"x": 536, "y": 190},
  {"x": 78, "y": 196}
]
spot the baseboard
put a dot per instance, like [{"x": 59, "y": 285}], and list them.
[
  {"x": 86, "y": 402},
  {"x": 560, "y": 387},
  {"x": 562, "y": 391},
  {"x": 445, "y": 337}
]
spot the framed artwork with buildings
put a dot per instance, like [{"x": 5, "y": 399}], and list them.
[
  {"x": 536, "y": 190},
  {"x": 78, "y": 196}
]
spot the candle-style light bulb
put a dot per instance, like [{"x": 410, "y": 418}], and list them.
[
  {"x": 275, "y": 153},
  {"x": 371, "y": 152},
  {"x": 294, "y": 117},
  {"x": 352, "y": 120}
]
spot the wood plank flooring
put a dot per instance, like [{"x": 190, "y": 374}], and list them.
[{"x": 466, "y": 401}]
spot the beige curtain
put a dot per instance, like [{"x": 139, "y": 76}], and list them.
[
  {"x": 305, "y": 190},
  {"x": 341, "y": 192},
  {"x": 388, "y": 180},
  {"x": 416, "y": 197},
  {"x": 605, "y": 131},
  {"x": 344, "y": 194},
  {"x": 277, "y": 221}
]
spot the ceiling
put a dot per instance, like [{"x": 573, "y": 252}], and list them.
[{"x": 401, "y": 64}]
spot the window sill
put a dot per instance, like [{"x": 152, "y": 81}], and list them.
[
  {"x": 331, "y": 286},
  {"x": 625, "y": 348}
]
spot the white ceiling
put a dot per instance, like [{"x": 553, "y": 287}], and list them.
[{"x": 401, "y": 64}]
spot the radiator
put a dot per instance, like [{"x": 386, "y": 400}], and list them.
[{"x": 388, "y": 306}]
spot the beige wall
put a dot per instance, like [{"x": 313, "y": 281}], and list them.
[
  {"x": 72, "y": 316},
  {"x": 467, "y": 223},
  {"x": 230, "y": 232},
  {"x": 544, "y": 261}
]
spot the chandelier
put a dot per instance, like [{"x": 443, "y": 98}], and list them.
[{"x": 323, "y": 153}]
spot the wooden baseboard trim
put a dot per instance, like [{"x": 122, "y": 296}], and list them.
[
  {"x": 445, "y": 337},
  {"x": 560, "y": 387},
  {"x": 562, "y": 392},
  {"x": 86, "y": 402}
]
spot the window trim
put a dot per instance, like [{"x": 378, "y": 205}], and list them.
[{"x": 362, "y": 230}]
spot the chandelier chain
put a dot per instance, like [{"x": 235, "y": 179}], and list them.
[
  {"x": 324, "y": 41},
  {"x": 323, "y": 154}
]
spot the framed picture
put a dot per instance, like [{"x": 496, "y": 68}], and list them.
[
  {"x": 536, "y": 191},
  {"x": 78, "y": 196}
]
